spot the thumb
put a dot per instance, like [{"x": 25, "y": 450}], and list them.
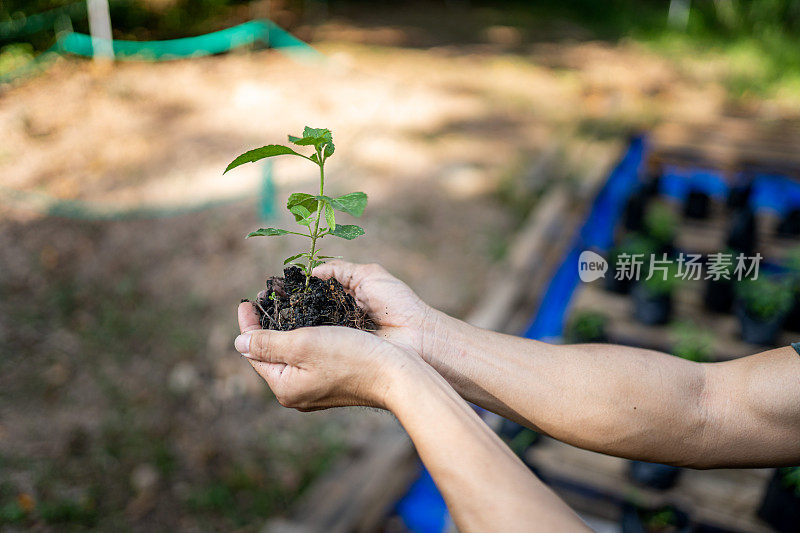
[{"x": 268, "y": 346}]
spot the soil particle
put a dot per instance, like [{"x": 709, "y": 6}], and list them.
[{"x": 286, "y": 305}]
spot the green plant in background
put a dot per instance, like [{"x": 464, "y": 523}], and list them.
[
  {"x": 634, "y": 244},
  {"x": 764, "y": 298},
  {"x": 587, "y": 326},
  {"x": 662, "y": 519},
  {"x": 307, "y": 208},
  {"x": 790, "y": 478},
  {"x": 15, "y": 56},
  {"x": 792, "y": 264},
  {"x": 663, "y": 281},
  {"x": 661, "y": 223},
  {"x": 692, "y": 343}
]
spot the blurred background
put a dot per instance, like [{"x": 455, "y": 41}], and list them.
[{"x": 123, "y": 405}]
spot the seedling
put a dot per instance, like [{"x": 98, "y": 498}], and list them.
[{"x": 307, "y": 208}]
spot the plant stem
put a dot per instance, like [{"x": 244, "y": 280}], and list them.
[{"x": 315, "y": 234}]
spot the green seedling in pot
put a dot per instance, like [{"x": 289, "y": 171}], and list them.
[
  {"x": 790, "y": 479},
  {"x": 764, "y": 298},
  {"x": 661, "y": 224},
  {"x": 692, "y": 343},
  {"x": 309, "y": 209}
]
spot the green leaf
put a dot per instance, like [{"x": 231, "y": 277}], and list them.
[
  {"x": 301, "y": 266},
  {"x": 329, "y": 256},
  {"x": 267, "y": 232},
  {"x": 302, "y": 215},
  {"x": 329, "y": 149},
  {"x": 316, "y": 137},
  {"x": 270, "y": 150},
  {"x": 329, "y": 217},
  {"x": 298, "y": 198},
  {"x": 347, "y": 231},
  {"x": 290, "y": 259},
  {"x": 353, "y": 203}
]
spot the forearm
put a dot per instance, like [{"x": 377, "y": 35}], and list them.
[
  {"x": 618, "y": 400},
  {"x": 486, "y": 487}
]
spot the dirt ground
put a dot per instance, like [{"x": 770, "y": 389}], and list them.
[{"x": 122, "y": 401}]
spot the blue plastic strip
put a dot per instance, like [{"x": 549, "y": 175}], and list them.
[
  {"x": 597, "y": 233},
  {"x": 776, "y": 193},
  {"x": 678, "y": 182},
  {"x": 422, "y": 508}
]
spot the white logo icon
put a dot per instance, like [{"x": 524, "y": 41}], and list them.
[{"x": 591, "y": 266}]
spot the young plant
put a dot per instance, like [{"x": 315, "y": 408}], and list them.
[
  {"x": 764, "y": 298},
  {"x": 661, "y": 224},
  {"x": 790, "y": 479},
  {"x": 692, "y": 343},
  {"x": 308, "y": 209},
  {"x": 587, "y": 326}
]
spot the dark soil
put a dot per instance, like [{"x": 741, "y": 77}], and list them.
[{"x": 285, "y": 305}]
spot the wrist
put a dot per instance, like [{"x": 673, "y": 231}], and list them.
[
  {"x": 442, "y": 338},
  {"x": 404, "y": 381}
]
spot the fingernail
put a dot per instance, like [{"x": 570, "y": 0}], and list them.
[{"x": 242, "y": 343}]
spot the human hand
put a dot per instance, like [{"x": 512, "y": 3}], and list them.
[
  {"x": 316, "y": 368},
  {"x": 402, "y": 317}
]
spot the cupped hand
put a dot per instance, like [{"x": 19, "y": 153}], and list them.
[
  {"x": 402, "y": 317},
  {"x": 321, "y": 367}
]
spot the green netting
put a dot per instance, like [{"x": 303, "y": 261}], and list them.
[
  {"x": 263, "y": 31},
  {"x": 26, "y": 25}
]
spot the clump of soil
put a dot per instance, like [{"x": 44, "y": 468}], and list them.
[{"x": 286, "y": 305}]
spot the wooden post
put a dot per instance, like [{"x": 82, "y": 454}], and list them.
[
  {"x": 678, "y": 17},
  {"x": 100, "y": 28}
]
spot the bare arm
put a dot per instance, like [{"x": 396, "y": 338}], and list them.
[
  {"x": 618, "y": 400},
  {"x": 631, "y": 402},
  {"x": 486, "y": 487}
]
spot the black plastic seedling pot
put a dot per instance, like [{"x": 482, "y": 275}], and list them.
[
  {"x": 651, "y": 308},
  {"x": 789, "y": 226},
  {"x": 761, "y": 332},
  {"x": 654, "y": 475},
  {"x": 780, "y": 507},
  {"x": 719, "y": 295},
  {"x": 698, "y": 205},
  {"x": 637, "y": 520}
]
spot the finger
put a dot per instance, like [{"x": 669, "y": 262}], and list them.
[
  {"x": 341, "y": 270},
  {"x": 272, "y": 346},
  {"x": 269, "y": 372},
  {"x": 248, "y": 318}
]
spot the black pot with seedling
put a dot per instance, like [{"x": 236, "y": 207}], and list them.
[
  {"x": 692, "y": 343},
  {"x": 661, "y": 226},
  {"x": 739, "y": 195},
  {"x": 635, "y": 208},
  {"x": 780, "y": 506},
  {"x": 789, "y": 225},
  {"x": 651, "y": 185},
  {"x": 586, "y": 327},
  {"x": 762, "y": 305},
  {"x": 518, "y": 437},
  {"x": 665, "y": 519},
  {"x": 654, "y": 475},
  {"x": 719, "y": 291},
  {"x": 652, "y": 298},
  {"x": 634, "y": 245},
  {"x": 742, "y": 235},
  {"x": 792, "y": 263},
  {"x": 697, "y": 204}
]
